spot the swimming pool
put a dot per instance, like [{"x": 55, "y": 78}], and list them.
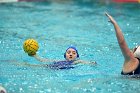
[{"x": 56, "y": 25}]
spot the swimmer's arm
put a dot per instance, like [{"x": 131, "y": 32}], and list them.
[
  {"x": 84, "y": 62},
  {"x": 122, "y": 43},
  {"x": 42, "y": 59},
  {"x": 29, "y": 65}
]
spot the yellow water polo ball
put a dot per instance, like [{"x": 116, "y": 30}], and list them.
[{"x": 30, "y": 46}]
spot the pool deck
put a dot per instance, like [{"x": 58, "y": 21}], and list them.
[{"x": 116, "y": 1}]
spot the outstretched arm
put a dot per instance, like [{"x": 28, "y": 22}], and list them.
[
  {"x": 42, "y": 59},
  {"x": 84, "y": 62},
  {"x": 122, "y": 43}
]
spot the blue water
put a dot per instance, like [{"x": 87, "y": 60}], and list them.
[{"x": 56, "y": 25}]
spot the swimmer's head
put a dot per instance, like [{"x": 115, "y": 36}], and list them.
[
  {"x": 136, "y": 51},
  {"x": 71, "y": 53},
  {"x": 2, "y": 90}
]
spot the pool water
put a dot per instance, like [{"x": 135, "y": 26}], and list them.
[{"x": 57, "y": 25}]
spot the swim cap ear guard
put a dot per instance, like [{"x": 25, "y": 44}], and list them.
[
  {"x": 137, "y": 52},
  {"x": 72, "y": 48}
]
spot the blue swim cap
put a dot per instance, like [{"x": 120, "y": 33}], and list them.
[{"x": 72, "y": 48}]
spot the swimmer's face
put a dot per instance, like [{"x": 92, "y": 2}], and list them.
[{"x": 71, "y": 54}]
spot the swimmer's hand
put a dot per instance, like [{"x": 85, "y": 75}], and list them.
[
  {"x": 111, "y": 19},
  {"x": 93, "y": 63},
  {"x": 32, "y": 55},
  {"x": 85, "y": 62}
]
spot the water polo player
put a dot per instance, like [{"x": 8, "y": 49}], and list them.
[
  {"x": 131, "y": 64},
  {"x": 71, "y": 56}
]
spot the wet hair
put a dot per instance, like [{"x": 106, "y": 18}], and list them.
[{"x": 72, "y": 48}]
